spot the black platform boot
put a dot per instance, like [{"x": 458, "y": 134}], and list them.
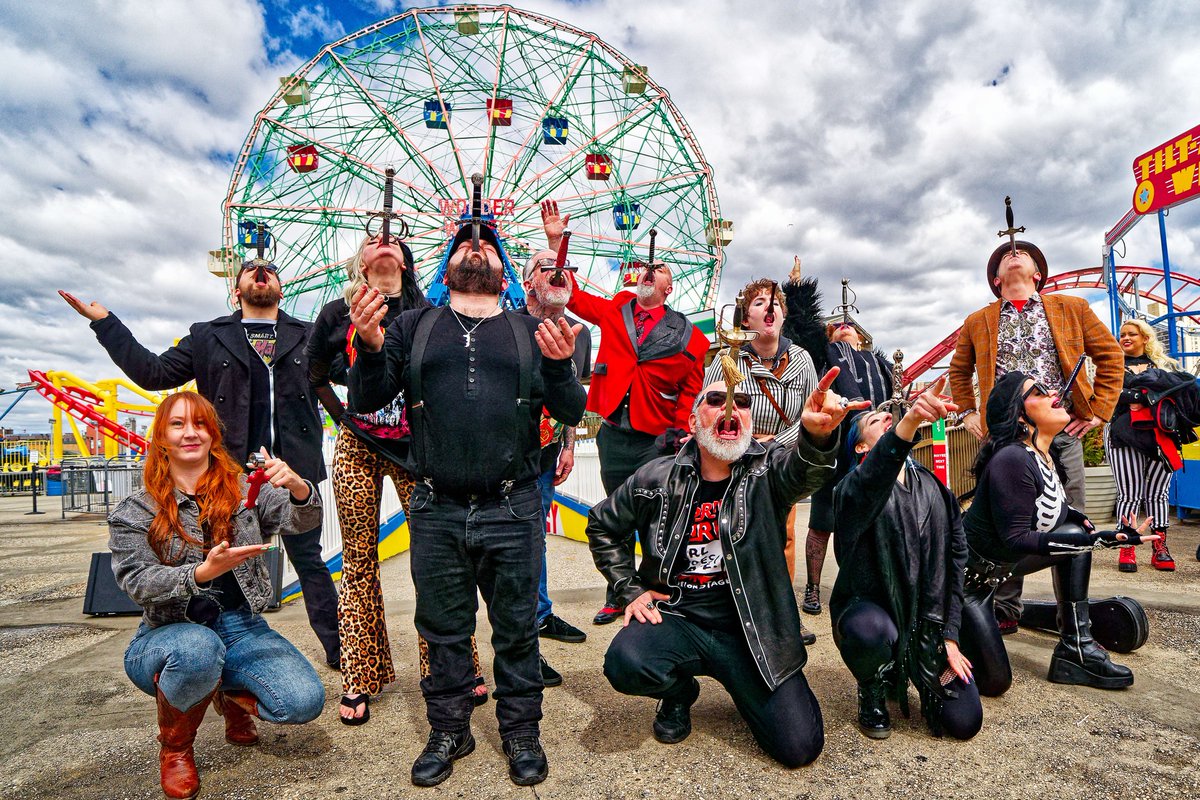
[
  {"x": 873, "y": 717},
  {"x": 1077, "y": 659}
]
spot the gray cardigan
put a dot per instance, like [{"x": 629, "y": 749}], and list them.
[{"x": 163, "y": 590}]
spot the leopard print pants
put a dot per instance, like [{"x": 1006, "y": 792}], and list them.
[{"x": 358, "y": 473}]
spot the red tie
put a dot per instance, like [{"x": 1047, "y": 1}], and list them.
[{"x": 640, "y": 318}]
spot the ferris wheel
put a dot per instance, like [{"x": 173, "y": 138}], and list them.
[{"x": 540, "y": 109}]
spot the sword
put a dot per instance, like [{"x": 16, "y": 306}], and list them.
[
  {"x": 1012, "y": 232},
  {"x": 476, "y": 210},
  {"x": 560, "y": 260},
  {"x": 897, "y": 403},
  {"x": 260, "y": 247},
  {"x": 1064, "y": 399},
  {"x": 388, "y": 214},
  {"x": 848, "y": 298}
]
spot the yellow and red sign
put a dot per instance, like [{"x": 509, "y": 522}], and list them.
[{"x": 1168, "y": 174}]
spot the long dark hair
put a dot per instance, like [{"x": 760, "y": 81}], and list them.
[{"x": 1007, "y": 421}]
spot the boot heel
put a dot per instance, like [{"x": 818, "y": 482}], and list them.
[{"x": 1072, "y": 674}]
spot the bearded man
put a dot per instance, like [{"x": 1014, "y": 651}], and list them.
[
  {"x": 252, "y": 367},
  {"x": 475, "y": 379},
  {"x": 712, "y": 595}
]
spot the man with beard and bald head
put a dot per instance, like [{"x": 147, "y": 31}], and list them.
[
  {"x": 252, "y": 367},
  {"x": 475, "y": 379},
  {"x": 547, "y": 290},
  {"x": 712, "y": 595},
  {"x": 647, "y": 373}
]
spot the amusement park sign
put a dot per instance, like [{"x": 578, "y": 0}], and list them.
[{"x": 1168, "y": 174}]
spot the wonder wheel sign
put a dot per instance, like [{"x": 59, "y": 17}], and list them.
[{"x": 541, "y": 109}]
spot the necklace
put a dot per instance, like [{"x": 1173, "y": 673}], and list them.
[{"x": 467, "y": 333}]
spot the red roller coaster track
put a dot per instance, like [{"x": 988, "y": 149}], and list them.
[
  {"x": 81, "y": 404},
  {"x": 1185, "y": 291}
]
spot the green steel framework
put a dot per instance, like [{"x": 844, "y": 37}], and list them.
[{"x": 364, "y": 112}]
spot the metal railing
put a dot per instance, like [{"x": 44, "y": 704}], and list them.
[{"x": 95, "y": 485}]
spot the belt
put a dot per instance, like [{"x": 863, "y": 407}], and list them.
[
  {"x": 981, "y": 573},
  {"x": 475, "y": 498}
]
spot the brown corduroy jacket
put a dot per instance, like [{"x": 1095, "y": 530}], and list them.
[{"x": 1075, "y": 329}]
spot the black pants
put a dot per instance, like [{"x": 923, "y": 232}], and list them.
[
  {"x": 981, "y": 641},
  {"x": 621, "y": 454},
  {"x": 661, "y": 660},
  {"x": 493, "y": 546},
  {"x": 867, "y": 638},
  {"x": 316, "y": 584}
]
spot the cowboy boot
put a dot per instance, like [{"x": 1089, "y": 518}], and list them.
[
  {"x": 176, "y": 733},
  {"x": 1161, "y": 559},
  {"x": 239, "y": 709},
  {"x": 1078, "y": 659}
]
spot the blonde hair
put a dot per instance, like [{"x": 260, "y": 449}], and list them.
[
  {"x": 1154, "y": 349},
  {"x": 355, "y": 279}
]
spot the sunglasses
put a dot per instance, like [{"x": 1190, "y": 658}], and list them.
[
  {"x": 250, "y": 265},
  {"x": 1038, "y": 387},
  {"x": 716, "y": 399},
  {"x": 547, "y": 265}
]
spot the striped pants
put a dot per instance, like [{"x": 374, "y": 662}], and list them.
[{"x": 1142, "y": 485}]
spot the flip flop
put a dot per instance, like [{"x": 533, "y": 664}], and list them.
[
  {"x": 481, "y": 698},
  {"x": 361, "y": 700}
]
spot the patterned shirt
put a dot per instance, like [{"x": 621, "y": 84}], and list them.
[{"x": 1024, "y": 343}]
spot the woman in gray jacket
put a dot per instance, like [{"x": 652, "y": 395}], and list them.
[{"x": 187, "y": 549}]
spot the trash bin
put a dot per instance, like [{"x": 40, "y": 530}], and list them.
[{"x": 54, "y": 484}]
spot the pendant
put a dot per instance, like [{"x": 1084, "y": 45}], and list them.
[{"x": 466, "y": 340}]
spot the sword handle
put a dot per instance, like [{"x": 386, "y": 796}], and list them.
[
  {"x": 476, "y": 209},
  {"x": 653, "y": 236},
  {"x": 560, "y": 259},
  {"x": 389, "y": 176}
]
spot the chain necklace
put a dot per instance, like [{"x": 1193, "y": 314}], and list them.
[{"x": 468, "y": 333}]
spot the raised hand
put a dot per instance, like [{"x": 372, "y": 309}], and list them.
[
  {"x": 929, "y": 406},
  {"x": 794, "y": 276},
  {"x": 553, "y": 224},
  {"x": 556, "y": 340},
  {"x": 825, "y": 408},
  {"x": 92, "y": 310},
  {"x": 368, "y": 307}
]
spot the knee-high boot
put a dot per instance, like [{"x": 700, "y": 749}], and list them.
[
  {"x": 176, "y": 733},
  {"x": 1077, "y": 659}
]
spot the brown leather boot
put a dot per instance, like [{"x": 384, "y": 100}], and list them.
[
  {"x": 239, "y": 709},
  {"x": 176, "y": 733}
]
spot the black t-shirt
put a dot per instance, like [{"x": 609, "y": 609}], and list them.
[
  {"x": 260, "y": 340},
  {"x": 700, "y": 567},
  {"x": 224, "y": 588}
]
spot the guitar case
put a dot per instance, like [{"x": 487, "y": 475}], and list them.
[{"x": 1119, "y": 623}]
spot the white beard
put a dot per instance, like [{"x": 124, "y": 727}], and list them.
[
  {"x": 554, "y": 296},
  {"x": 721, "y": 449},
  {"x": 645, "y": 291}
]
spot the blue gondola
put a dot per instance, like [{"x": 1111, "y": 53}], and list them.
[
  {"x": 627, "y": 216},
  {"x": 554, "y": 130}
]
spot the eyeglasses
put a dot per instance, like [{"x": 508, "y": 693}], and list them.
[
  {"x": 1038, "y": 387},
  {"x": 548, "y": 265},
  {"x": 249, "y": 265},
  {"x": 716, "y": 399}
]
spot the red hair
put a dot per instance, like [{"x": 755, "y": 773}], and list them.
[{"x": 218, "y": 492}]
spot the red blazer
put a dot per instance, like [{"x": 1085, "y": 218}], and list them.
[{"x": 662, "y": 377}]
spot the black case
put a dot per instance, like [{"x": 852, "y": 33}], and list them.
[
  {"x": 104, "y": 598},
  {"x": 1118, "y": 623}
]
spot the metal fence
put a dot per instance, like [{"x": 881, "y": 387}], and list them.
[
  {"x": 15, "y": 483},
  {"x": 96, "y": 485}
]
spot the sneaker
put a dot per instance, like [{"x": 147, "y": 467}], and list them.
[
  {"x": 812, "y": 599},
  {"x": 673, "y": 720},
  {"x": 550, "y": 676},
  {"x": 1007, "y": 626},
  {"x": 1161, "y": 558},
  {"x": 554, "y": 627},
  {"x": 526, "y": 760},
  {"x": 436, "y": 762},
  {"x": 608, "y": 614},
  {"x": 807, "y": 636},
  {"x": 1128, "y": 560}
]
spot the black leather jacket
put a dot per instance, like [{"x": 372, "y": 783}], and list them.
[{"x": 766, "y": 482}]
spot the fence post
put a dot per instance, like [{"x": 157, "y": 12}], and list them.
[{"x": 33, "y": 469}]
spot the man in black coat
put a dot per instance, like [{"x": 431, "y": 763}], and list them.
[
  {"x": 712, "y": 595},
  {"x": 251, "y": 366}
]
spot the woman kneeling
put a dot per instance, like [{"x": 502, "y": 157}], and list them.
[{"x": 187, "y": 550}]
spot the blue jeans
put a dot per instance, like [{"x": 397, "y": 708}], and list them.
[
  {"x": 546, "y": 487},
  {"x": 241, "y": 651},
  {"x": 493, "y": 546}
]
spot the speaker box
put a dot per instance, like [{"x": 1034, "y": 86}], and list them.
[
  {"x": 274, "y": 559},
  {"x": 104, "y": 598}
]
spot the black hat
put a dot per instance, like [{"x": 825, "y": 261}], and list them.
[
  {"x": 487, "y": 233},
  {"x": 997, "y": 254},
  {"x": 1005, "y": 406}
]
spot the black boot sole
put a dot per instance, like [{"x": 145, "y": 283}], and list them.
[
  {"x": 1128, "y": 567},
  {"x": 1071, "y": 674},
  {"x": 875, "y": 733}
]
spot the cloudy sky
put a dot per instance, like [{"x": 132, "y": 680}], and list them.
[{"x": 875, "y": 139}]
